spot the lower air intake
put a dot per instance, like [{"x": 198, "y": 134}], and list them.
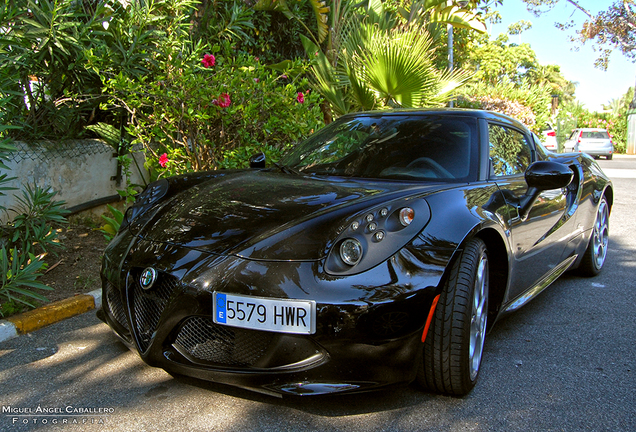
[{"x": 203, "y": 340}]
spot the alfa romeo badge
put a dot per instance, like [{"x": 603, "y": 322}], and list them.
[{"x": 148, "y": 278}]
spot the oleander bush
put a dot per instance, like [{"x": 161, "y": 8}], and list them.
[
  {"x": 57, "y": 54},
  {"x": 209, "y": 112},
  {"x": 528, "y": 104},
  {"x": 24, "y": 240}
]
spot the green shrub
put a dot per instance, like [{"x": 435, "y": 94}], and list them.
[
  {"x": 18, "y": 278},
  {"x": 528, "y": 104},
  {"x": 23, "y": 241},
  {"x": 195, "y": 117},
  {"x": 111, "y": 227},
  {"x": 43, "y": 66}
]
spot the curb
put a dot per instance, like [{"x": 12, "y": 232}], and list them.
[{"x": 49, "y": 314}]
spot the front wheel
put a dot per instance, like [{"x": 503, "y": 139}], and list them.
[
  {"x": 454, "y": 344},
  {"x": 596, "y": 252}
]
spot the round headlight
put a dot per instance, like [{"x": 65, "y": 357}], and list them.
[
  {"x": 407, "y": 214},
  {"x": 351, "y": 251}
]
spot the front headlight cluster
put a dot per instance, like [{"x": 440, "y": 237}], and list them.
[{"x": 374, "y": 235}]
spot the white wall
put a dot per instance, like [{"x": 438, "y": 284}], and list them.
[{"x": 80, "y": 171}]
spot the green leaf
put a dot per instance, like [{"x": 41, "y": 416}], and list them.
[
  {"x": 108, "y": 133},
  {"x": 321, "y": 12}
]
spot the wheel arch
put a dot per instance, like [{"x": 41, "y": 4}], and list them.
[
  {"x": 499, "y": 266},
  {"x": 499, "y": 271}
]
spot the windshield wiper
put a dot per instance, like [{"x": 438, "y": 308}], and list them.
[{"x": 286, "y": 169}]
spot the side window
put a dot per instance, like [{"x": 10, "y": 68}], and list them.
[{"x": 509, "y": 151}]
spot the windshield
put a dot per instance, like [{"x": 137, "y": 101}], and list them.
[{"x": 415, "y": 147}]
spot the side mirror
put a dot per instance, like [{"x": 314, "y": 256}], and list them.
[
  {"x": 545, "y": 175},
  {"x": 258, "y": 160},
  {"x": 541, "y": 176}
]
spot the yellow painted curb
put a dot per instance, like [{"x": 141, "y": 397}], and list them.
[{"x": 52, "y": 313}]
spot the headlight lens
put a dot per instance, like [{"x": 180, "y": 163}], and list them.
[{"x": 351, "y": 251}]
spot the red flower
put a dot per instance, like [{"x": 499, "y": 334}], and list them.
[
  {"x": 208, "y": 60},
  {"x": 224, "y": 100},
  {"x": 300, "y": 98},
  {"x": 163, "y": 160}
]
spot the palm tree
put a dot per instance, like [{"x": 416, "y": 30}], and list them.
[
  {"x": 378, "y": 60},
  {"x": 365, "y": 57}
]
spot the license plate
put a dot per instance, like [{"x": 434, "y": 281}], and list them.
[{"x": 258, "y": 313}]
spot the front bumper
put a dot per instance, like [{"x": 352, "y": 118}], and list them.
[{"x": 368, "y": 331}]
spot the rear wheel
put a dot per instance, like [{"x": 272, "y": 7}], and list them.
[
  {"x": 596, "y": 252},
  {"x": 455, "y": 341},
  {"x": 609, "y": 157}
]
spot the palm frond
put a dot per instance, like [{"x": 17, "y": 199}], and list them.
[{"x": 321, "y": 12}]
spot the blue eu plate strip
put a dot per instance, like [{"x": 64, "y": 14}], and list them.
[{"x": 220, "y": 308}]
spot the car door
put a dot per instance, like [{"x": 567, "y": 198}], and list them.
[{"x": 535, "y": 240}]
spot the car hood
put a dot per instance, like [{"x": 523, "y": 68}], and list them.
[{"x": 269, "y": 215}]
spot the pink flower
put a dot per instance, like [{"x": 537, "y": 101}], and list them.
[
  {"x": 283, "y": 76},
  {"x": 208, "y": 60},
  {"x": 163, "y": 160},
  {"x": 256, "y": 80},
  {"x": 223, "y": 101},
  {"x": 256, "y": 58},
  {"x": 300, "y": 98}
]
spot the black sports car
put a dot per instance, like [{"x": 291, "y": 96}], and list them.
[{"x": 379, "y": 251}]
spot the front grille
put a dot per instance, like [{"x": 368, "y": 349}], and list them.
[
  {"x": 148, "y": 305},
  {"x": 204, "y": 340},
  {"x": 116, "y": 306}
]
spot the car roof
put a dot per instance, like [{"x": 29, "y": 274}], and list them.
[{"x": 464, "y": 112}]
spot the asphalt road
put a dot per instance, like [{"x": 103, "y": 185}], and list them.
[{"x": 565, "y": 362}]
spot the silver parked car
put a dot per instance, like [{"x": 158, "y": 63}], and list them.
[{"x": 593, "y": 141}]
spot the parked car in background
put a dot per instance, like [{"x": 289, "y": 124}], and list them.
[
  {"x": 549, "y": 139},
  {"x": 593, "y": 141}
]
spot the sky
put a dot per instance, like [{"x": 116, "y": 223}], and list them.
[{"x": 552, "y": 46}]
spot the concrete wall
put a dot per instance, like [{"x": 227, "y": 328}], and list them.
[{"x": 80, "y": 171}]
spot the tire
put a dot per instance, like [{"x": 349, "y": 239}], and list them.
[
  {"x": 453, "y": 347},
  {"x": 609, "y": 157},
  {"x": 596, "y": 252}
]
